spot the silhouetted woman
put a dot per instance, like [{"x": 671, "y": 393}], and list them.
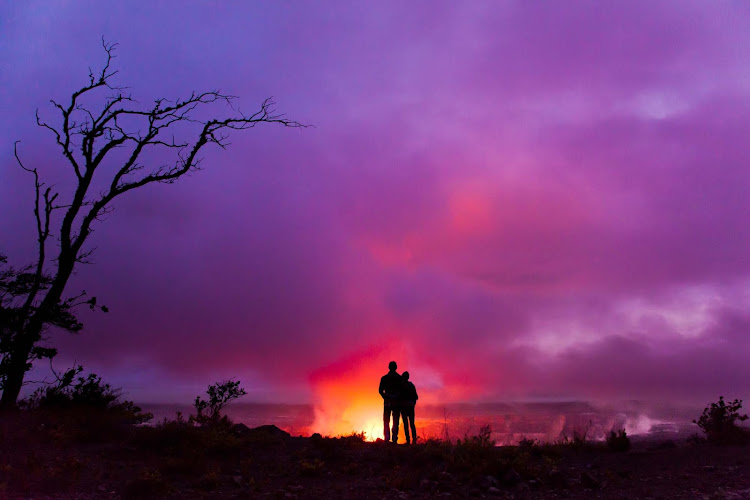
[{"x": 408, "y": 401}]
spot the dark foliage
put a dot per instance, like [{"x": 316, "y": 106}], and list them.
[
  {"x": 16, "y": 285},
  {"x": 526, "y": 443},
  {"x": 618, "y": 441},
  {"x": 187, "y": 444},
  {"x": 85, "y": 396},
  {"x": 719, "y": 422},
  {"x": 474, "y": 453},
  {"x": 219, "y": 395}
]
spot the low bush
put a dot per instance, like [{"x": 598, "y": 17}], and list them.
[
  {"x": 483, "y": 439},
  {"x": 474, "y": 454},
  {"x": 719, "y": 422},
  {"x": 208, "y": 411},
  {"x": 181, "y": 437},
  {"x": 355, "y": 437},
  {"x": 172, "y": 437},
  {"x": 81, "y": 409},
  {"x": 579, "y": 440},
  {"x": 85, "y": 395},
  {"x": 618, "y": 441},
  {"x": 526, "y": 443},
  {"x": 206, "y": 433}
]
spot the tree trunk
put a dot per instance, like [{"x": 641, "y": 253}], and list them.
[
  {"x": 13, "y": 381},
  {"x": 26, "y": 339},
  {"x": 10, "y": 395}
]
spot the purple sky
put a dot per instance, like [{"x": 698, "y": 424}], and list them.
[{"x": 514, "y": 199}]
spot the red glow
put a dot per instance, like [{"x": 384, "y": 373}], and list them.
[{"x": 346, "y": 397}]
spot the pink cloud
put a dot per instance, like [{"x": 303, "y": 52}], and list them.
[{"x": 520, "y": 194}]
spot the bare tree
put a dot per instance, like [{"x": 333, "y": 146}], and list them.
[{"x": 32, "y": 299}]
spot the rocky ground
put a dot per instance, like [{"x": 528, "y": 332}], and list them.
[{"x": 42, "y": 458}]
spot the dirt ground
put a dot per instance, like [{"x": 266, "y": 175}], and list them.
[{"x": 45, "y": 460}]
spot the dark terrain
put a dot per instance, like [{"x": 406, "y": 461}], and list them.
[{"x": 85, "y": 458}]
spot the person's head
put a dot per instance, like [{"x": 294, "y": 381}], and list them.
[
  {"x": 392, "y": 366},
  {"x": 405, "y": 375}
]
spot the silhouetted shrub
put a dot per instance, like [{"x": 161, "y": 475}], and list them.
[
  {"x": 618, "y": 441},
  {"x": 178, "y": 436},
  {"x": 526, "y": 443},
  {"x": 207, "y": 434},
  {"x": 356, "y": 436},
  {"x": 579, "y": 440},
  {"x": 84, "y": 408},
  {"x": 483, "y": 439},
  {"x": 719, "y": 422},
  {"x": 183, "y": 438},
  {"x": 355, "y": 439},
  {"x": 219, "y": 395},
  {"x": 219, "y": 440},
  {"x": 474, "y": 454}
]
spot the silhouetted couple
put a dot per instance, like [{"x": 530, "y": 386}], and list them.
[{"x": 399, "y": 398}]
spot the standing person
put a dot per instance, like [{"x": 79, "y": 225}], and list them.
[
  {"x": 390, "y": 390},
  {"x": 408, "y": 402}
]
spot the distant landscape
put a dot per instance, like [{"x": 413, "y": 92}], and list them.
[{"x": 510, "y": 422}]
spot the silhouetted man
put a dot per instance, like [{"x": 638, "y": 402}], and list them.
[
  {"x": 390, "y": 390},
  {"x": 408, "y": 402}
]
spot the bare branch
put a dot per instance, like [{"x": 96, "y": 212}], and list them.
[
  {"x": 87, "y": 134},
  {"x": 83, "y": 257},
  {"x": 42, "y": 227}
]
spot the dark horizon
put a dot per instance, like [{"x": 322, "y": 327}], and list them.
[{"x": 509, "y": 422}]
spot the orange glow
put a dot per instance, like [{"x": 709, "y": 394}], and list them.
[{"x": 346, "y": 392}]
